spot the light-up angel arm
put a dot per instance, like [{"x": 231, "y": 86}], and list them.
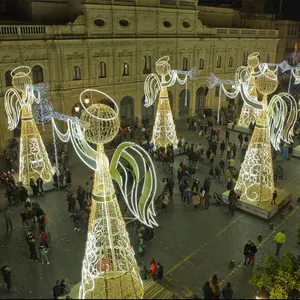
[
  {"x": 282, "y": 115},
  {"x": 140, "y": 194},
  {"x": 12, "y": 103},
  {"x": 74, "y": 133},
  {"x": 248, "y": 99}
]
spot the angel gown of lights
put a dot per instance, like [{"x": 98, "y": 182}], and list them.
[
  {"x": 34, "y": 161},
  {"x": 164, "y": 132},
  {"x": 249, "y": 114},
  {"x": 256, "y": 179},
  {"x": 109, "y": 268}
]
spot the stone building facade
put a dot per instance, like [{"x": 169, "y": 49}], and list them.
[{"x": 113, "y": 45}]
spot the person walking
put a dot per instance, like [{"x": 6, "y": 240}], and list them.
[
  {"x": 159, "y": 273},
  {"x": 57, "y": 290},
  {"x": 187, "y": 195},
  {"x": 43, "y": 254},
  {"x": 6, "y": 273},
  {"x": 227, "y": 291},
  {"x": 247, "y": 253},
  {"x": 196, "y": 200},
  {"x": 252, "y": 253},
  {"x": 227, "y": 135},
  {"x": 88, "y": 191},
  {"x": 31, "y": 243},
  {"x": 274, "y": 197},
  {"x": 44, "y": 240},
  {"x": 279, "y": 240},
  {"x": 76, "y": 221},
  {"x": 222, "y": 166},
  {"x": 207, "y": 198},
  {"x": 222, "y": 148},
  {"x": 153, "y": 268},
  {"x": 234, "y": 149},
  {"x": 39, "y": 183},
  {"x": 202, "y": 195},
  {"x": 80, "y": 197},
  {"x": 61, "y": 180},
  {"x": 7, "y": 215}
]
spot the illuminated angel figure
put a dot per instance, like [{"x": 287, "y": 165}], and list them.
[
  {"x": 164, "y": 132},
  {"x": 274, "y": 123},
  {"x": 248, "y": 113},
  {"x": 34, "y": 161},
  {"x": 109, "y": 268}
]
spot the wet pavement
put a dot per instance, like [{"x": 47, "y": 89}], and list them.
[{"x": 191, "y": 245}]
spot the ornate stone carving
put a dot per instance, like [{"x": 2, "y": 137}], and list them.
[
  {"x": 125, "y": 53},
  {"x": 37, "y": 56},
  {"x": 9, "y": 59},
  {"x": 75, "y": 55},
  {"x": 102, "y": 54}
]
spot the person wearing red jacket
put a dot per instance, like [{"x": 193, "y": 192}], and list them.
[
  {"x": 44, "y": 240},
  {"x": 153, "y": 268}
]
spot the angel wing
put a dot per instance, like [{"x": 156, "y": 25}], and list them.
[
  {"x": 133, "y": 161},
  {"x": 152, "y": 86},
  {"x": 74, "y": 133},
  {"x": 282, "y": 115},
  {"x": 12, "y": 103}
]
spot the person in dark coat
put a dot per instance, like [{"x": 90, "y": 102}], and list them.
[
  {"x": 227, "y": 291},
  {"x": 247, "y": 252},
  {"x": 57, "y": 290},
  {"x": 39, "y": 183},
  {"x": 31, "y": 243},
  {"x": 159, "y": 273},
  {"x": 6, "y": 273},
  {"x": 207, "y": 291},
  {"x": 252, "y": 253},
  {"x": 80, "y": 197}
]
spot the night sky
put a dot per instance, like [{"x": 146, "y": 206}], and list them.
[{"x": 290, "y": 8}]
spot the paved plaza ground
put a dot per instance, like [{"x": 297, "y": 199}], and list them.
[{"x": 191, "y": 245}]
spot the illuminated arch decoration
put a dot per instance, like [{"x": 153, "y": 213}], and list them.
[
  {"x": 274, "y": 123},
  {"x": 109, "y": 268},
  {"x": 33, "y": 161},
  {"x": 164, "y": 132}
]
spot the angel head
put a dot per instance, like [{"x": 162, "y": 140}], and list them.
[
  {"x": 267, "y": 82},
  {"x": 21, "y": 78},
  {"x": 253, "y": 60},
  {"x": 162, "y": 66},
  {"x": 100, "y": 123}
]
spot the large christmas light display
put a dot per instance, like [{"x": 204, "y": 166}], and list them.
[
  {"x": 249, "y": 114},
  {"x": 34, "y": 161},
  {"x": 109, "y": 269},
  {"x": 274, "y": 123},
  {"x": 164, "y": 132}
]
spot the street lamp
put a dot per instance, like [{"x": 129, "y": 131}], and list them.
[
  {"x": 76, "y": 108},
  {"x": 86, "y": 100}
]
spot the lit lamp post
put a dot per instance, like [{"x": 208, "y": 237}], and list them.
[{"x": 76, "y": 108}]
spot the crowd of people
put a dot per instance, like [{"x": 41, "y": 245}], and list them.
[{"x": 219, "y": 155}]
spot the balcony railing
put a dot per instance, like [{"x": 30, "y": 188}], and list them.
[
  {"x": 6, "y": 30},
  {"x": 245, "y": 32}
]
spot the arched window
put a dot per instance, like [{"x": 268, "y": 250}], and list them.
[
  {"x": 201, "y": 64},
  {"x": 8, "y": 78},
  {"x": 76, "y": 73},
  {"x": 102, "y": 69},
  {"x": 185, "y": 64},
  {"x": 219, "y": 61},
  {"x": 245, "y": 59},
  {"x": 147, "y": 64},
  {"x": 125, "y": 69},
  {"x": 267, "y": 58},
  {"x": 37, "y": 74},
  {"x": 230, "y": 62},
  {"x": 184, "y": 103}
]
